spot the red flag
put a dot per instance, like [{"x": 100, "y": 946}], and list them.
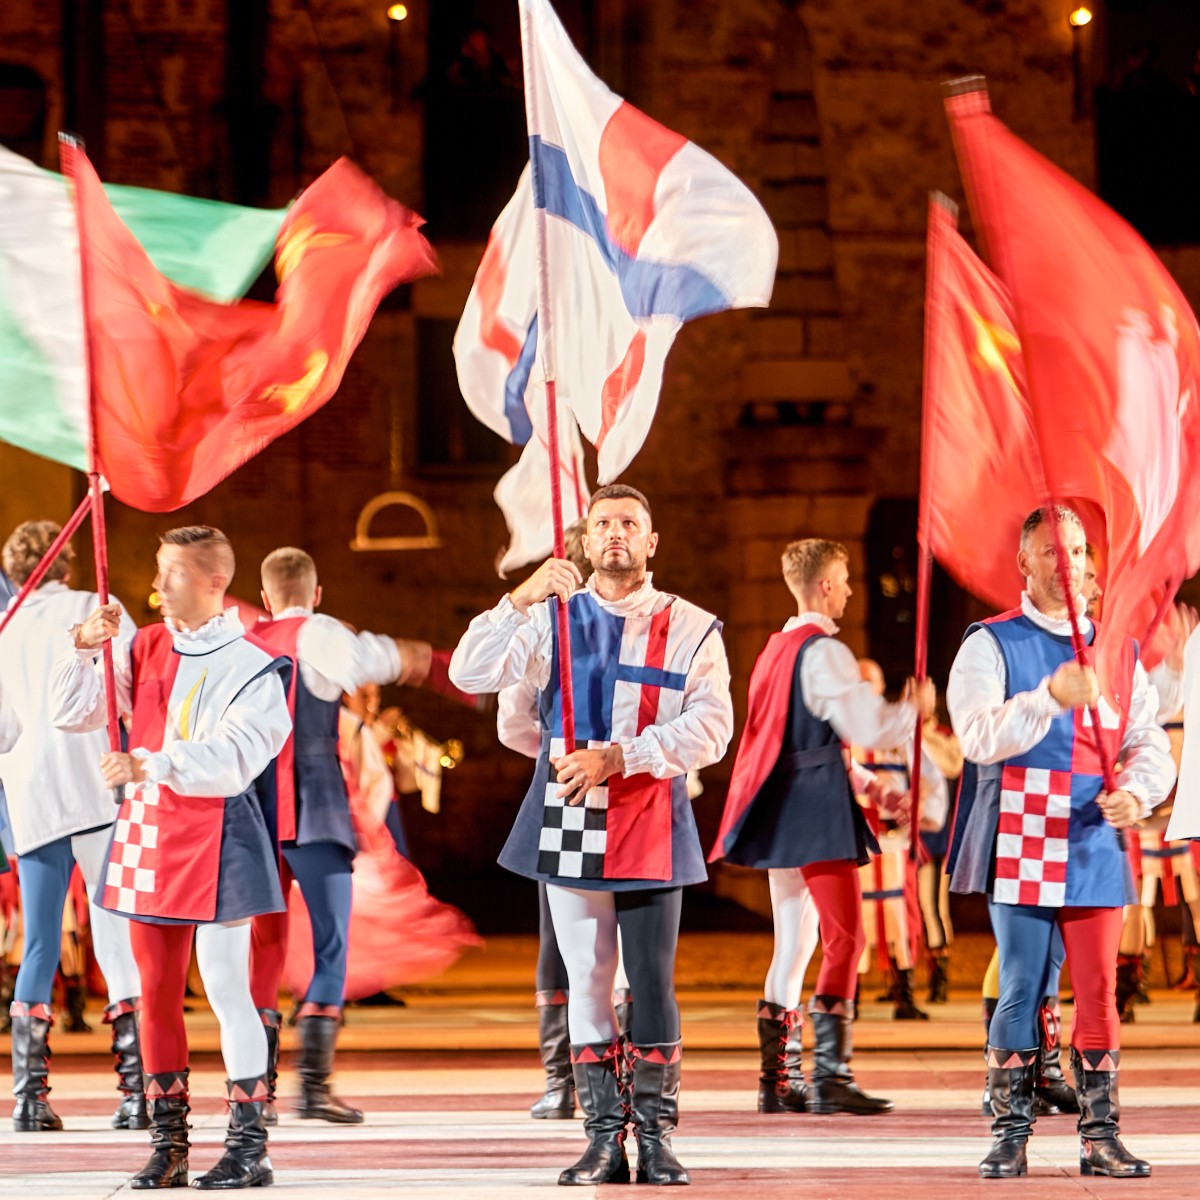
[
  {"x": 1112, "y": 360},
  {"x": 980, "y": 471},
  {"x": 186, "y": 389}
]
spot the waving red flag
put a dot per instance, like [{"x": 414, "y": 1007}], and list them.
[
  {"x": 980, "y": 471},
  {"x": 186, "y": 389},
  {"x": 1112, "y": 360}
]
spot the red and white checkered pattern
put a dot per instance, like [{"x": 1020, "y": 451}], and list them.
[
  {"x": 1031, "y": 841},
  {"x": 131, "y": 861}
]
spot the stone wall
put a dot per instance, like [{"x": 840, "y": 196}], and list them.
[{"x": 772, "y": 425}]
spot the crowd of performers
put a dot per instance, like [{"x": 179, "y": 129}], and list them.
[{"x": 232, "y": 787}]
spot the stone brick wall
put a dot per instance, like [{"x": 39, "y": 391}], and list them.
[{"x": 772, "y": 425}]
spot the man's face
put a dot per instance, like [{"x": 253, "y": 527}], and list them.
[
  {"x": 1038, "y": 562},
  {"x": 1091, "y": 590},
  {"x": 836, "y": 586},
  {"x": 619, "y": 539},
  {"x": 184, "y": 582}
]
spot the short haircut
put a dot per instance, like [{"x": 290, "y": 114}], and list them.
[
  {"x": 27, "y": 546},
  {"x": 804, "y": 562},
  {"x": 289, "y": 573},
  {"x": 210, "y": 543},
  {"x": 619, "y": 491},
  {"x": 1066, "y": 516}
]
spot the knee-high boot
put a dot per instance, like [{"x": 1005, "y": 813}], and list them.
[
  {"x": 127, "y": 1050},
  {"x": 1129, "y": 970},
  {"x": 1011, "y": 1075},
  {"x": 989, "y": 1011},
  {"x": 558, "y": 1100},
  {"x": 31, "y": 1068},
  {"x": 1100, "y": 1148},
  {"x": 318, "y": 1028},
  {"x": 655, "y": 1109},
  {"x": 833, "y": 1088},
  {"x": 781, "y": 1077},
  {"x": 598, "y": 1084},
  {"x": 271, "y": 1019},
  {"x": 244, "y": 1163},
  {"x": 1052, "y": 1093},
  {"x": 167, "y": 1101}
]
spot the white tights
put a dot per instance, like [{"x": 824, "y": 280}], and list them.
[
  {"x": 223, "y": 956},
  {"x": 585, "y": 924},
  {"x": 110, "y": 932},
  {"x": 797, "y": 931}
]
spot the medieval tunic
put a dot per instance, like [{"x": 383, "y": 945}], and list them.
[
  {"x": 650, "y": 673},
  {"x": 790, "y": 802},
  {"x": 1034, "y": 833},
  {"x": 312, "y": 800},
  {"x": 191, "y": 844}
]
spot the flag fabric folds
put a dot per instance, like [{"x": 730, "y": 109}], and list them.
[
  {"x": 216, "y": 248},
  {"x": 186, "y": 389},
  {"x": 1112, "y": 359},
  {"x": 644, "y": 231}
]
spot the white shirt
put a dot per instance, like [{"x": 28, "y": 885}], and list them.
[
  {"x": 223, "y": 749},
  {"x": 1168, "y": 683},
  {"x": 502, "y": 647},
  {"x": 834, "y": 691},
  {"x": 335, "y": 659},
  {"x": 51, "y": 777},
  {"x": 992, "y": 729},
  {"x": 517, "y": 723}
]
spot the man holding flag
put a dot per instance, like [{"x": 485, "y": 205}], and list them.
[
  {"x": 1041, "y": 838},
  {"x": 609, "y": 829}
]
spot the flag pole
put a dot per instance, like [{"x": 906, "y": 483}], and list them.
[
  {"x": 943, "y": 215},
  {"x": 545, "y": 347},
  {"x": 69, "y": 147},
  {"x": 967, "y": 99},
  {"x": 45, "y": 562}
]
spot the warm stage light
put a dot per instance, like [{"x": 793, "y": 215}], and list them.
[
  {"x": 397, "y": 12},
  {"x": 1081, "y": 16}
]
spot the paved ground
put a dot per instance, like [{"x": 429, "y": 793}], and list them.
[{"x": 446, "y": 1081}]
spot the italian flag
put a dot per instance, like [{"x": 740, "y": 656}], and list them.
[{"x": 218, "y": 249}]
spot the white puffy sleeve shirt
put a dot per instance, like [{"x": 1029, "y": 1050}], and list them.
[{"x": 503, "y": 647}]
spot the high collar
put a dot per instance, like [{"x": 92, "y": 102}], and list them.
[
  {"x": 1059, "y": 626},
  {"x": 216, "y": 632},
  {"x": 820, "y": 620},
  {"x": 296, "y": 610},
  {"x": 627, "y": 604}
]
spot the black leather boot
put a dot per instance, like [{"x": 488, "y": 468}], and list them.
[
  {"x": 602, "y": 1098},
  {"x": 1100, "y": 1149},
  {"x": 127, "y": 1050},
  {"x": 655, "y": 1111},
  {"x": 833, "y": 1088},
  {"x": 989, "y": 1011},
  {"x": 558, "y": 1101},
  {"x": 318, "y": 1035},
  {"x": 245, "y": 1163},
  {"x": 272, "y": 1019},
  {"x": 780, "y": 1078},
  {"x": 1052, "y": 1093},
  {"x": 167, "y": 1100},
  {"x": 906, "y": 1007},
  {"x": 1129, "y": 967},
  {"x": 31, "y": 1068},
  {"x": 1011, "y": 1075},
  {"x": 623, "y": 1007},
  {"x": 939, "y": 980},
  {"x": 75, "y": 1006}
]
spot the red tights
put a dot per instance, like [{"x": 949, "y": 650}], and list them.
[{"x": 837, "y": 893}]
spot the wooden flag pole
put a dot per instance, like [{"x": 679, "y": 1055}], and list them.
[
  {"x": 545, "y": 347},
  {"x": 68, "y": 147}
]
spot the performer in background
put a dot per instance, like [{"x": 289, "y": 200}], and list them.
[
  {"x": 791, "y": 811},
  {"x": 191, "y": 855},
  {"x": 1041, "y": 838},
  {"x": 61, "y": 814},
  {"x": 313, "y": 812},
  {"x": 613, "y": 837}
]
